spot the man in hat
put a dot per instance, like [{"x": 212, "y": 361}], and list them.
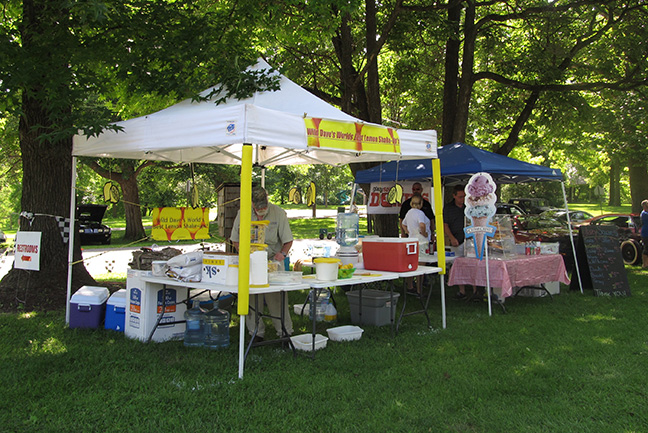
[{"x": 279, "y": 239}]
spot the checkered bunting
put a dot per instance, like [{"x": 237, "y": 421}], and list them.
[{"x": 64, "y": 228}]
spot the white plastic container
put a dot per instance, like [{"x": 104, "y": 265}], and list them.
[
  {"x": 298, "y": 308},
  {"x": 326, "y": 268},
  {"x": 159, "y": 267},
  {"x": 345, "y": 333},
  {"x": 305, "y": 342}
]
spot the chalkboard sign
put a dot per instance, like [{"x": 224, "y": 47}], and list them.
[{"x": 600, "y": 262}]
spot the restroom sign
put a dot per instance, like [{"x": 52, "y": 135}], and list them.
[{"x": 27, "y": 252}]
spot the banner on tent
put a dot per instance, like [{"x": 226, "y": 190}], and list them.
[
  {"x": 180, "y": 223},
  {"x": 360, "y": 137},
  {"x": 377, "y": 199}
]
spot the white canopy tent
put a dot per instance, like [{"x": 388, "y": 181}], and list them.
[{"x": 285, "y": 127}]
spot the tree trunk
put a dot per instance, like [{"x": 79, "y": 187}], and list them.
[
  {"x": 127, "y": 180},
  {"x": 451, "y": 81},
  {"x": 47, "y": 173},
  {"x": 374, "y": 109},
  {"x": 514, "y": 135},
  {"x": 638, "y": 169},
  {"x": 134, "y": 226},
  {"x": 615, "y": 182},
  {"x": 466, "y": 81}
]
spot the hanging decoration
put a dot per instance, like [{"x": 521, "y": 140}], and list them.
[
  {"x": 395, "y": 194},
  {"x": 294, "y": 195},
  {"x": 311, "y": 193},
  {"x": 111, "y": 192}
]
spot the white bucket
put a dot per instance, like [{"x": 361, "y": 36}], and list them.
[{"x": 326, "y": 268}]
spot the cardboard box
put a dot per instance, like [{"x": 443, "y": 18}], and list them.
[
  {"x": 144, "y": 304},
  {"x": 88, "y": 307},
  {"x": 215, "y": 264},
  {"x": 390, "y": 254},
  {"x": 116, "y": 311},
  {"x": 376, "y": 307}
]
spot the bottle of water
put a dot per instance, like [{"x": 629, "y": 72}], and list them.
[
  {"x": 321, "y": 302},
  {"x": 217, "y": 328},
  {"x": 330, "y": 315},
  {"x": 195, "y": 329}
]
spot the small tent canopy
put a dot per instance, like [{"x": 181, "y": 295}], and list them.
[
  {"x": 288, "y": 126},
  {"x": 277, "y": 123},
  {"x": 458, "y": 162}
]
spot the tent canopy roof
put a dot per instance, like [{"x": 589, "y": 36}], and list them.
[
  {"x": 458, "y": 162},
  {"x": 274, "y": 122}
]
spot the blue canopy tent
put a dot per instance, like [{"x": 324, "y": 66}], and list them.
[{"x": 458, "y": 162}]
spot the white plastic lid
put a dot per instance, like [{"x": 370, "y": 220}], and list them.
[{"x": 94, "y": 295}]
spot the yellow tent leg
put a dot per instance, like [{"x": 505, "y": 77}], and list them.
[{"x": 244, "y": 248}]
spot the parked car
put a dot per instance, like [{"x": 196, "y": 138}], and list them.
[
  {"x": 629, "y": 229},
  {"x": 575, "y": 216},
  {"x": 91, "y": 230},
  {"x": 530, "y": 205},
  {"x": 3, "y": 237},
  {"x": 514, "y": 211}
]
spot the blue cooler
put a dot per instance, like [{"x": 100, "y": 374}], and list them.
[
  {"x": 116, "y": 311},
  {"x": 88, "y": 307}
]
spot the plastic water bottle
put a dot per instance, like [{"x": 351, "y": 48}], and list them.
[
  {"x": 195, "y": 329},
  {"x": 330, "y": 315},
  {"x": 321, "y": 302},
  {"x": 217, "y": 328}
]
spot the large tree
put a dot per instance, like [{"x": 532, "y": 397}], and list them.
[{"x": 56, "y": 56}]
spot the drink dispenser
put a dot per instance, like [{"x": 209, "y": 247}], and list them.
[{"x": 346, "y": 235}]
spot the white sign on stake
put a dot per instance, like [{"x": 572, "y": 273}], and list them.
[{"x": 27, "y": 254}]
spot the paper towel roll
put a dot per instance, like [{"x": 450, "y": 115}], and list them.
[{"x": 259, "y": 268}]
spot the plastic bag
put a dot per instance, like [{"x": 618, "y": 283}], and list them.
[
  {"x": 186, "y": 259},
  {"x": 191, "y": 273}
]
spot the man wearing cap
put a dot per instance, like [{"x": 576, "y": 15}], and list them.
[{"x": 279, "y": 239}]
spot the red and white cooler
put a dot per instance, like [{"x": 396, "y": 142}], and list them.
[{"x": 390, "y": 254}]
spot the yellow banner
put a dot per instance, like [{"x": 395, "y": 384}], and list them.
[
  {"x": 180, "y": 223},
  {"x": 358, "y": 137}
]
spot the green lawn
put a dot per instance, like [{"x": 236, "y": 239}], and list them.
[{"x": 574, "y": 364}]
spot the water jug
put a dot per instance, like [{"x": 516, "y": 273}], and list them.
[
  {"x": 321, "y": 302},
  {"x": 194, "y": 331},
  {"x": 330, "y": 315},
  {"x": 217, "y": 328},
  {"x": 346, "y": 233}
]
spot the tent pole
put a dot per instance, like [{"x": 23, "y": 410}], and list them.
[
  {"x": 438, "y": 214},
  {"x": 244, "y": 247},
  {"x": 571, "y": 237},
  {"x": 71, "y": 240}
]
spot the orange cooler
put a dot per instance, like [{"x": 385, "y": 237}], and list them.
[{"x": 390, "y": 254}]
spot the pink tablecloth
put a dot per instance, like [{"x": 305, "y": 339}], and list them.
[{"x": 509, "y": 273}]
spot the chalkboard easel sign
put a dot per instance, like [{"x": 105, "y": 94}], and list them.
[{"x": 600, "y": 262}]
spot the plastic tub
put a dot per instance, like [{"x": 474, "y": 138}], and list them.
[
  {"x": 345, "y": 333},
  {"x": 159, "y": 267},
  {"x": 305, "y": 342},
  {"x": 326, "y": 268}
]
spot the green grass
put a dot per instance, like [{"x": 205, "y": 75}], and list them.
[{"x": 574, "y": 364}]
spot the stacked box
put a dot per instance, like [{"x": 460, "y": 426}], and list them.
[
  {"x": 116, "y": 311},
  {"x": 390, "y": 254},
  {"x": 215, "y": 266},
  {"x": 376, "y": 307},
  {"x": 88, "y": 307},
  {"x": 144, "y": 304}
]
